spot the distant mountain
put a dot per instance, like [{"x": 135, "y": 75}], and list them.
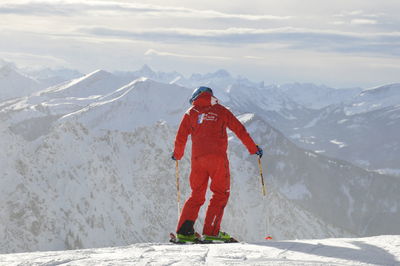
[
  {"x": 14, "y": 84},
  {"x": 336, "y": 122},
  {"x": 142, "y": 102},
  {"x": 316, "y": 97},
  {"x": 316, "y": 117},
  {"x": 363, "y": 131},
  {"x": 374, "y": 99},
  {"x": 147, "y": 72},
  {"x": 50, "y": 77},
  {"x": 41, "y": 109}
]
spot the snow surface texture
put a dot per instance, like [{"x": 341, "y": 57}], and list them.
[
  {"x": 382, "y": 250},
  {"x": 87, "y": 164}
]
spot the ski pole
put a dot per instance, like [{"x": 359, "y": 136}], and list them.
[
  {"x": 177, "y": 187},
  {"x": 268, "y": 237},
  {"x": 261, "y": 176}
]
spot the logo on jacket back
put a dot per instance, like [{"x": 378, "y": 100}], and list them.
[{"x": 206, "y": 117}]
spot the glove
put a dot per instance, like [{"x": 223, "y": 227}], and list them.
[
  {"x": 173, "y": 157},
  {"x": 259, "y": 151}
]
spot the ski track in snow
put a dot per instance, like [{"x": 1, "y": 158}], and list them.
[{"x": 380, "y": 250}]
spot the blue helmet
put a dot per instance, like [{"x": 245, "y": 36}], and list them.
[{"x": 196, "y": 93}]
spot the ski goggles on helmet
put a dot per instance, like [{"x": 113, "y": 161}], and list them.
[{"x": 196, "y": 93}]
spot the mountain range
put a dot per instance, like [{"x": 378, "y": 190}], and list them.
[{"x": 86, "y": 163}]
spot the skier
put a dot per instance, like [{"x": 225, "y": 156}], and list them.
[{"x": 206, "y": 121}]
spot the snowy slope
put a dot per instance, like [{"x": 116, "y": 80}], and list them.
[{"x": 381, "y": 250}]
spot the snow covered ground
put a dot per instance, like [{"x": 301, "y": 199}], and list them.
[{"x": 379, "y": 250}]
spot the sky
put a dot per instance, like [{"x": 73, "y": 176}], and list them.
[{"x": 341, "y": 43}]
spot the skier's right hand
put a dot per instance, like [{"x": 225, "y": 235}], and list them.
[{"x": 259, "y": 151}]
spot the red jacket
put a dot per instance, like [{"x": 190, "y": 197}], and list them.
[{"x": 206, "y": 121}]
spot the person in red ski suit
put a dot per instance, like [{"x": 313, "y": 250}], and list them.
[{"x": 206, "y": 121}]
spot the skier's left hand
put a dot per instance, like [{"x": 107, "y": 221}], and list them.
[
  {"x": 259, "y": 151},
  {"x": 173, "y": 157}
]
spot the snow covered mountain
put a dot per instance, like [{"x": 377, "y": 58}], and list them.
[
  {"x": 39, "y": 110},
  {"x": 86, "y": 164},
  {"x": 14, "y": 84},
  {"x": 364, "y": 131},
  {"x": 381, "y": 250}
]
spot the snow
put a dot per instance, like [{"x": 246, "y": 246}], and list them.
[
  {"x": 245, "y": 118},
  {"x": 339, "y": 143},
  {"x": 379, "y": 250},
  {"x": 296, "y": 191},
  {"x": 389, "y": 171}
]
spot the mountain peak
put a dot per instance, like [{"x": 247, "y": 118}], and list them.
[
  {"x": 146, "y": 71},
  {"x": 98, "y": 72},
  {"x": 146, "y": 67},
  {"x": 221, "y": 73}
]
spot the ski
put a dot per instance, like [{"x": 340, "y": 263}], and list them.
[
  {"x": 173, "y": 239},
  {"x": 199, "y": 240}
]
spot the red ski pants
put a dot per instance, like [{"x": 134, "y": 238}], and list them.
[{"x": 216, "y": 168}]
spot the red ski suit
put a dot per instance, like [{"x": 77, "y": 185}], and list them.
[{"x": 206, "y": 121}]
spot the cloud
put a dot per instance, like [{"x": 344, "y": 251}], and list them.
[
  {"x": 296, "y": 38},
  {"x": 151, "y": 52},
  {"x": 361, "y": 21},
  {"x": 28, "y": 58},
  {"x": 71, "y": 8},
  {"x": 359, "y": 17},
  {"x": 40, "y": 8},
  {"x": 242, "y": 35},
  {"x": 359, "y": 13}
]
